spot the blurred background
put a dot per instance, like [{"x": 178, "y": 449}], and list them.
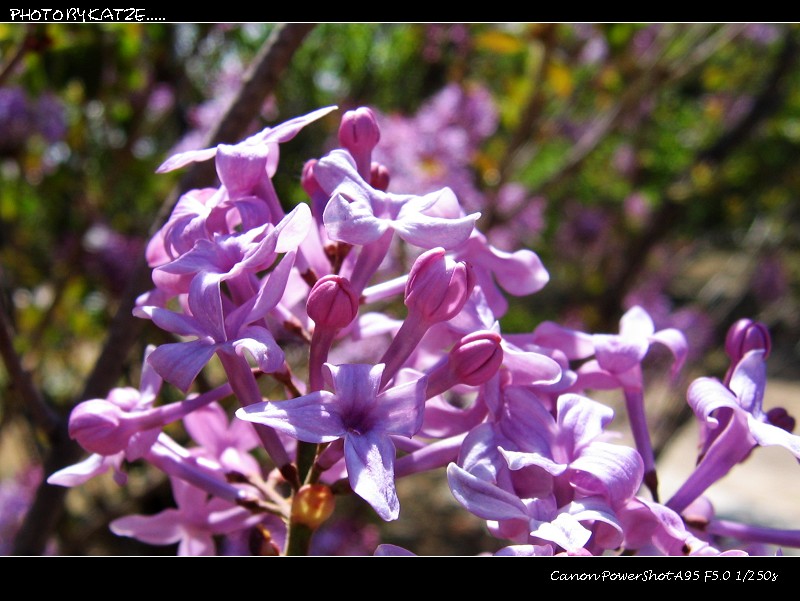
[{"x": 650, "y": 164}]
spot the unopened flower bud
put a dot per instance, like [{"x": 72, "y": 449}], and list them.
[
  {"x": 438, "y": 287},
  {"x": 747, "y": 335},
  {"x": 332, "y": 302},
  {"x": 780, "y": 418},
  {"x": 379, "y": 177},
  {"x": 97, "y": 425},
  {"x": 359, "y": 134},
  {"x": 477, "y": 357},
  {"x": 308, "y": 181},
  {"x": 313, "y": 504}
]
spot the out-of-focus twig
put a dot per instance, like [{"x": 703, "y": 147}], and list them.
[{"x": 259, "y": 81}]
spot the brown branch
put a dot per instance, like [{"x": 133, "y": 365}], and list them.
[{"x": 260, "y": 80}]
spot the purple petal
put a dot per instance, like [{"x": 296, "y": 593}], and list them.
[
  {"x": 369, "y": 459},
  {"x": 197, "y": 544},
  {"x": 287, "y": 130},
  {"x": 398, "y": 410},
  {"x": 618, "y": 354},
  {"x": 205, "y": 303},
  {"x": 482, "y": 498},
  {"x": 517, "y": 460},
  {"x": 520, "y": 273},
  {"x": 180, "y": 362},
  {"x": 612, "y": 471},
  {"x": 352, "y": 222},
  {"x": 182, "y": 159},
  {"x": 269, "y": 294},
  {"x": 336, "y": 168},
  {"x": 314, "y": 417},
  {"x": 77, "y": 474},
  {"x": 387, "y": 550},
  {"x": 581, "y": 419},
  {"x": 170, "y": 321},
  {"x": 636, "y": 323},
  {"x": 205, "y": 425},
  {"x": 705, "y": 395},
  {"x": 749, "y": 380},
  {"x": 241, "y": 166},
  {"x": 431, "y": 232},
  {"x": 529, "y": 368},
  {"x": 293, "y": 229},
  {"x": 768, "y": 435},
  {"x": 259, "y": 343},
  {"x": 675, "y": 341},
  {"x": 356, "y": 384},
  {"x": 164, "y": 528},
  {"x": 574, "y": 344},
  {"x": 565, "y": 531}
]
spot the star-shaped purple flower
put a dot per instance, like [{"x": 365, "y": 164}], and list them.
[{"x": 357, "y": 413}]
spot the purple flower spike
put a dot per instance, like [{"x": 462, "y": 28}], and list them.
[{"x": 363, "y": 417}]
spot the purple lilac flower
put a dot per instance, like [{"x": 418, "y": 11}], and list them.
[{"x": 356, "y": 412}]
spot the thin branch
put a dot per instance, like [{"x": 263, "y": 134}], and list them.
[{"x": 260, "y": 80}]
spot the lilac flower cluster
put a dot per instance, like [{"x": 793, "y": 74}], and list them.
[{"x": 395, "y": 300}]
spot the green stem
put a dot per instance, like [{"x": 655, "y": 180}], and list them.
[{"x": 299, "y": 539}]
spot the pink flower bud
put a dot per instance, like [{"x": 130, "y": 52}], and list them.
[
  {"x": 477, "y": 357},
  {"x": 98, "y": 427},
  {"x": 780, "y": 418},
  {"x": 359, "y": 134},
  {"x": 332, "y": 302},
  {"x": 359, "y": 131},
  {"x": 747, "y": 335},
  {"x": 438, "y": 286},
  {"x": 379, "y": 177},
  {"x": 308, "y": 181}
]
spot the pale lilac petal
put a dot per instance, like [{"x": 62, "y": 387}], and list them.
[
  {"x": 205, "y": 426},
  {"x": 197, "y": 544},
  {"x": 369, "y": 458},
  {"x": 336, "y": 168},
  {"x": 356, "y": 384},
  {"x": 149, "y": 380},
  {"x": 352, "y": 222},
  {"x": 240, "y": 167},
  {"x": 293, "y": 229},
  {"x": 314, "y": 417},
  {"x": 387, "y": 550},
  {"x": 164, "y": 528},
  {"x": 612, "y": 471},
  {"x": 618, "y": 354},
  {"x": 431, "y": 232},
  {"x": 205, "y": 302},
  {"x": 269, "y": 294},
  {"x": 529, "y": 368},
  {"x": 596, "y": 511},
  {"x": 182, "y": 159},
  {"x": 180, "y": 362},
  {"x": 283, "y": 132},
  {"x": 261, "y": 346},
  {"x": 525, "y": 551},
  {"x": 574, "y": 344},
  {"x": 705, "y": 395},
  {"x": 81, "y": 472},
  {"x": 520, "y": 273},
  {"x": 484, "y": 499},
  {"x": 676, "y": 342},
  {"x": 749, "y": 380},
  {"x": 768, "y": 435},
  {"x": 517, "y": 460},
  {"x": 204, "y": 256},
  {"x": 636, "y": 323},
  {"x": 565, "y": 531},
  {"x": 170, "y": 321},
  {"x": 583, "y": 419},
  {"x": 399, "y": 409},
  {"x": 591, "y": 376}
]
